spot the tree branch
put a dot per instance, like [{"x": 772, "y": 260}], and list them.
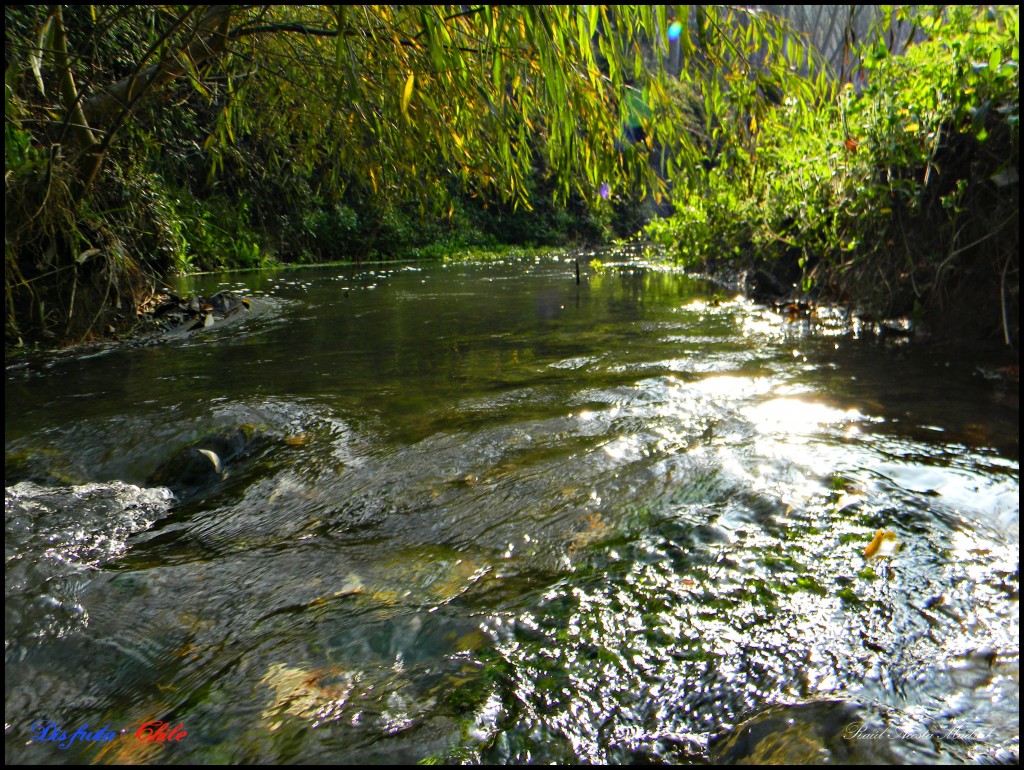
[
  {"x": 69, "y": 96},
  {"x": 212, "y": 33}
]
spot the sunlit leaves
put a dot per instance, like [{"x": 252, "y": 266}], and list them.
[
  {"x": 404, "y": 100},
  {"x": 407, "y": 93},
  {"x": 875, "y": 181}
]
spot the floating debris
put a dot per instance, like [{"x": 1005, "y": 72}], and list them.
[
  {"x": 172, "y": 312},
  {"x": 883, "y": 544}
]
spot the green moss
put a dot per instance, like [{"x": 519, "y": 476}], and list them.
[
  {"x": 848, "y": 596},
  {"x": 867, "y": 573},
  {"x": 807, "y": 583},
  {"x": 782, "y": 562},
  {"x": 42, "y": 465}
]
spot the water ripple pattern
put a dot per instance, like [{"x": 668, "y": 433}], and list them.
[{"x": 480, "y": 513}]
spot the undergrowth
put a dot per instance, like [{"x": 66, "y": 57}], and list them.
[{"x": 901, "y": 196}]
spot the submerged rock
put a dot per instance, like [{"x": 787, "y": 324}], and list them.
[
  {"x": 42, "y": 465},
  {"x": 825, "y": 732},
  {"x": 196, "y": 469}
]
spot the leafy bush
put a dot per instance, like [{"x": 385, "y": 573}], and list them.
[
  {"x": 903, "y": 195},
  {"x": 331, "y": 230}
]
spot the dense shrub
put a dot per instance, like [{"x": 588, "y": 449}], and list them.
[{"x": 902, "y": 194}]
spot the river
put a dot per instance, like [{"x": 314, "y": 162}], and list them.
[{"x": 484, "y": 513}]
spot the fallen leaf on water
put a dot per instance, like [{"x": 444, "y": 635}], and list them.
[
  {"x": 883, "y": 544},
  {"x": 213, "y": 458}
]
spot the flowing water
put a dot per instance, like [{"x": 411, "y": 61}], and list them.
[{"x": 484, "y": 513}]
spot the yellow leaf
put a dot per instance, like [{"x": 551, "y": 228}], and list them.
[
  {"x": 883, "y": 544},
  {"x": 407, "y": 94}
]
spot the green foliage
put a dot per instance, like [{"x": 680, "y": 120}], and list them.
[
  {"x": 705, "y": 226},
  {"x": 331, "y": 229},
  {"x": 21, "y": 156},
  {"x": 902, "y": 194},
  {"x": 401, "y": 100},
  {"x": 232, "y": 135},
  {"x": 741, "y": 109}
]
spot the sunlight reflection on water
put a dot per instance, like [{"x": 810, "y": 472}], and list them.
[{"x": 500, "y": 517}]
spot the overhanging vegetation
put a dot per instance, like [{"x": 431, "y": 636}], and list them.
[{"x": 146, "y": 140}]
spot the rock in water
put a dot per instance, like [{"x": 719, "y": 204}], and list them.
[
  {"x": 197, "y": 468},
  {"x": 194, "y": 313},
  {"x": 226, "y": 303},
  {"x": 762, "y": 286},
  {"x": 826, "y": 732}
]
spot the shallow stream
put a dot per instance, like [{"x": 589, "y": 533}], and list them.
[{"x": 487, "y": 514}]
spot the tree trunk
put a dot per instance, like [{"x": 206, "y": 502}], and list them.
[
  {"x": 111, "y": 107},
  {"x": 210, "y": 40}
]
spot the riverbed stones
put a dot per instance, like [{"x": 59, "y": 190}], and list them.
[
  {"x": 43, "y": 465},
  {"x": 823, "y": 732}
]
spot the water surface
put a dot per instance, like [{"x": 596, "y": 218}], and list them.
[{"x": 493, "y": 515}]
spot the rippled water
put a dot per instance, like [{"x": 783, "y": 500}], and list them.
[{"x": 489, "y": 515}]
